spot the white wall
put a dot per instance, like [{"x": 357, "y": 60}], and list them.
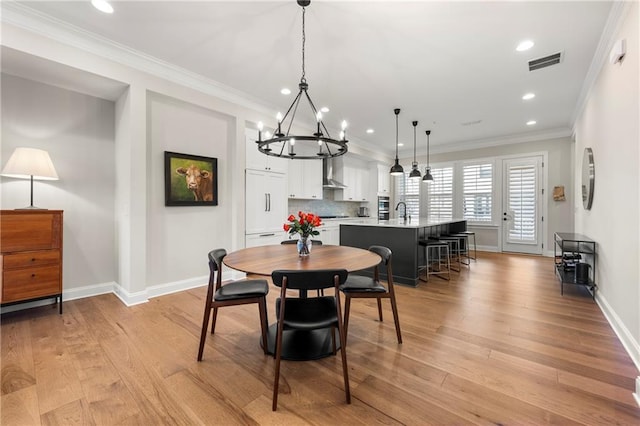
[
  {"x": 609, "y": 125},
  {"x": 78, "y": 132},
  {"x": 182, "y": 236}
]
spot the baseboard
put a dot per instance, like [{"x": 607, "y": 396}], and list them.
[
  {"x": 130, "y": 299},
  {"x": 88, "y": 291},
  {"x": 492, "y": 249},
  {"x": 176, "y": 286},
  {"x": 629, "y": 343}
]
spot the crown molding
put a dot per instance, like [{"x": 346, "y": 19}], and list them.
[
  {"x": 619, "y": 10},
  {"x": 470, "y": 145},
  {"x": 52, "y": 28}
]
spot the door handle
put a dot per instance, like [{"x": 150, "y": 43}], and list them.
[
  {"x": 269, "y": 198},
  {"x": 266, "y": 202}
]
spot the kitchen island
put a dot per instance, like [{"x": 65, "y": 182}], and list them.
[{"x": 401, "y": 237}]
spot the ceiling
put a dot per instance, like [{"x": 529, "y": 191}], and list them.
[{"x": 452, "y": 66}]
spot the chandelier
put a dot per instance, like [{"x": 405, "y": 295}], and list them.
[{"x": 319, "y": 144}]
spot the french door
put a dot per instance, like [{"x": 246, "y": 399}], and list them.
[{"x": 522, "y": 205}]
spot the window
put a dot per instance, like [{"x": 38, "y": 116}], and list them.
[
  {"x": 408, "y": 190},
  {"x": 440, "y": 195},
  {"x": 477, "y": 192}
]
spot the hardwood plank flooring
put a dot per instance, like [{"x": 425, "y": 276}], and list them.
[{"x": 497, "y": 344}]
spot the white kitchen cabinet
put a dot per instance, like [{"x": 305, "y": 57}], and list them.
[
  {"x": 356, "y": 179},
  {"x": 305, "y": 179},
  {"x": 266, "y": 201},
  {"x": 384, "y": 180},
  {"x": 258, "y": 161},
  {"x": 329, "y": 234},
  {"x": 264, "y": 239}
]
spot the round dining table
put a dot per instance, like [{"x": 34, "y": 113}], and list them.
[{"x": 263, "y": 260}]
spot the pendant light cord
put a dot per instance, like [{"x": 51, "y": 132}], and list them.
[{"x": 396, "y": 136}]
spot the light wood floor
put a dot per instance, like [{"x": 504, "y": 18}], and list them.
[{"x": 496, "y": 345}]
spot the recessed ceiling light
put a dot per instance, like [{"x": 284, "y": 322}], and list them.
[
  {"x": 528, "y": 96},
  {"x": 524, "y": 45},
  {"x": 285, "y": 91},
  {"x": 400, "y": 144},
  {"x": 102, "y": 6},
  {"x": 324, "y": 109},
  {"x": 531, "y": 122},
  {"x": 370, "y": 131}
]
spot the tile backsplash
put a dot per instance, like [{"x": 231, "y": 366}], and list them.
[{"x": 326, "y": 206}]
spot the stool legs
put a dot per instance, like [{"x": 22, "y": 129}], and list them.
[{"x": 429, "y": 262}]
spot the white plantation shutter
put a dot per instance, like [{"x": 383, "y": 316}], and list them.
[
  {"x": 408, "y": 190},
  {"x": 522, "y": 202},
  {"x": 477, "y": 192},
  {"x": 440, "y": 198}
]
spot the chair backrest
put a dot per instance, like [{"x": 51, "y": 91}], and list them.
[
  {"x": 383, "y": 252},
  {"x": 309, "y": 280},
  {"x": 313, "y": 242},
  {"x": 215, "y": 259}
]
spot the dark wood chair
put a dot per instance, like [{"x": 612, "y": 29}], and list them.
[
  {"x": 361, "y": 287},
  {"x": 231, "y": 294},
  {"x": 312, "y": 313}
]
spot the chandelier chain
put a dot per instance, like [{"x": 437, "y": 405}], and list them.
[{"x": 304, "y": 39}]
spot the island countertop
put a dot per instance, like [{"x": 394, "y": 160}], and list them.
[{"x": 420, "y": 222}]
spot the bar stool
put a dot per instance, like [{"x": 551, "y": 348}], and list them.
[
  {"x": 433, "y": 244},
  {"x": 467, "y": 235},
  {"x": 455, "y": 247}
]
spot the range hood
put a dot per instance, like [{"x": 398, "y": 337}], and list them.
[{"x": 327, "y": 175}]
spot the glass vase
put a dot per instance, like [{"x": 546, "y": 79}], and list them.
[{"x": 304, "y": 246}]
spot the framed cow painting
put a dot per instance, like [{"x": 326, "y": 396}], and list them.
[{"x": 190, "y": 180}]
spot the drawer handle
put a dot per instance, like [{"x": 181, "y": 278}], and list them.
[
  {"x": 33, "y": 259},
  {"x": 33, "y": 275}
]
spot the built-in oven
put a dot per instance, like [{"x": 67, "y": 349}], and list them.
[{"x": 383, "y": 208}]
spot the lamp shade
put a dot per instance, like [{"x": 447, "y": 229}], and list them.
[{"x": 26, "y": 163}]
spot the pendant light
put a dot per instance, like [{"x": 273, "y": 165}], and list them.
[
  {"x": 427, "y": 171},
  {"x": 396, "y": 169},
  {"x": 415, "y": 173}
]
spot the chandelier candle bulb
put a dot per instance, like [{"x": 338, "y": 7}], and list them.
[{"x": 260, "y": 127}]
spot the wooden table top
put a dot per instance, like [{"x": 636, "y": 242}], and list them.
[{"x": 263, "y": 260}]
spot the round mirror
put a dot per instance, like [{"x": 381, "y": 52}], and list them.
[{"x": 588, "y": 178}]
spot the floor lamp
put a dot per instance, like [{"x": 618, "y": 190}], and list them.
[{"x": 30, "y": 163}]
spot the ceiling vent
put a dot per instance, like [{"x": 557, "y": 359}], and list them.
[{"x": 547, "y": 61}]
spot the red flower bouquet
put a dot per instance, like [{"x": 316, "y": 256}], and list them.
[{"x": 304, "y": 224}]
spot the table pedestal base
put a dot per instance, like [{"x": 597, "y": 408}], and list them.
[{"x": 300, "y": 345}]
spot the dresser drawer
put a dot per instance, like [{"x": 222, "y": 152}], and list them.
[
  {"x": 31, "y": 259},
  {"x": 28, "y": 283}
]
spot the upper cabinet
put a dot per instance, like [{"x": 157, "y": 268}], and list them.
[
  {"x": 355, "y": 176},
  {"x": 256, "y": 160},
  {"x": 305, "y": 179},
  {"x": 384, "y": 180}
]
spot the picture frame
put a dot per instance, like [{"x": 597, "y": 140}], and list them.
[{"x": 190, "y": 180}]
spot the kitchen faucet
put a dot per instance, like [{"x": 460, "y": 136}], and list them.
[{"x": 404, "y": 216}]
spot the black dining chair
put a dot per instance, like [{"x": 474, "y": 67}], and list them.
[
  {"x": 313, "y": 242},
  {"x": 310, "y": 313},
  {"x": 234, "y": 293},
  {"x": 361, "y": 287}
]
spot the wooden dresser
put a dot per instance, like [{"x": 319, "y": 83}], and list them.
[{"x": 31, "y": 256}]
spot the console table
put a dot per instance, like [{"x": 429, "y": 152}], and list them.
[{"x": 570, "y": 250}]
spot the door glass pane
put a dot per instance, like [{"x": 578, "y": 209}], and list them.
[{"x": 522, "y": 202}]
